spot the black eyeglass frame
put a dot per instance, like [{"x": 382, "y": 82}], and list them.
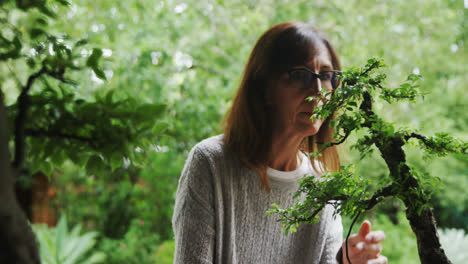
[{"x": 333, "y": 80}]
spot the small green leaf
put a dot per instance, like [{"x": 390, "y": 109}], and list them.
[
  {"x": 99, "y": 73},
  {"x": 116, "y": 161},
  {"x": 46, "y": 167},
  {"x": 46, "y": 11},
  {"x": 93, "y": 59},
  {"x": 81, "y": 42},
  {"x": 95, "y": 166},
  {"x": 41, "y": 21},
  {"x": 109, "y": 96},
  {"x": 159, "y": 128},
  {"x": 36, "y": 32},
  {"x": 63, "y": 2},
  {"x": 31, "y": 63}
]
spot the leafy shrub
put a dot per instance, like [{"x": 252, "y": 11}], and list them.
[
  {"x": 165, "y": 253},
  {"x": 109, "y": 203},
  {"x": 455, "y": 244},
  {"x": 99, "y": 203},
  {"x": 136, "y": 247},
  {"x": 59, "y": 246}
]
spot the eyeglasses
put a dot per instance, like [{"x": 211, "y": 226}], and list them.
[{"x": 303, "y": 78}]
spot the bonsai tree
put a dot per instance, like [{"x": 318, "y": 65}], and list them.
[
  {"x": 47, "y": 123},
  {"x": 348, "y": 192}
]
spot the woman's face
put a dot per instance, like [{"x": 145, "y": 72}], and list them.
[{"x": 291, "y": 110}]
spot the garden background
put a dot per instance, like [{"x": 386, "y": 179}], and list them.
[{"x": 189, "y": 56}]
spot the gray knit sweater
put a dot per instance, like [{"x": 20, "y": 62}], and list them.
[{"x": 219, "y": 214}]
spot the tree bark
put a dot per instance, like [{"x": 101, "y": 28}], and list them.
[
  {"x": 424, "y": 227},
  {"x": 423, "y": 224},
  {"x": 17, "y": 241}
]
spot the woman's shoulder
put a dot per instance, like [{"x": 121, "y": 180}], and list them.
[
  {"x": 211, "y": 145},
  {"x": 211, "y": 154},
  {"x": 212, "y": 149}
]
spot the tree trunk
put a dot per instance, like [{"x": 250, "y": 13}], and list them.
[
  {"x": 424, "y": 227},
  {"x": 17, "y": 241}
]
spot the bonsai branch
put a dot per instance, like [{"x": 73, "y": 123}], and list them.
[
  {"x": 417, "y": 136},
  {"x": 330, "y": 144},
  {"x": 386, "y": 191}
]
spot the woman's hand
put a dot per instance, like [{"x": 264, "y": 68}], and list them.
[{"x": 364, "y": 247}]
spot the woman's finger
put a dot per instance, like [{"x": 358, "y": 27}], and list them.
[
  {"x": 375, "y": 237},
  {"x": 371, "y": 250},
  {"x": 379, "y": 260},
  {"x": 364, "y": 229}
]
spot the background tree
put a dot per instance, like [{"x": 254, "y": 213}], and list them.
[{"x": 49, "y": 124}]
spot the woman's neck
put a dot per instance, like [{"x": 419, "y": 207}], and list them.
[{"x": 283, "y": 154}]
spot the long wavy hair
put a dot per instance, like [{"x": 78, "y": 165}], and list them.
[{"x": 248, "y": 125}]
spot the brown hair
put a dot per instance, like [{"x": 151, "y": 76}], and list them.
[{"x": 248, "y": 124}]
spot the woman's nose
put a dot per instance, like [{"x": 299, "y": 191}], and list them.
[{"x": 315, "y": 86}]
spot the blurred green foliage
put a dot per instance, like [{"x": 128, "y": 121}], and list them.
[
  {"x": 59, "y": 245},
  {"x": 165, "y": 253},
  {"x": 190, "y": 55},
  {"x": 138, "y": 245}
]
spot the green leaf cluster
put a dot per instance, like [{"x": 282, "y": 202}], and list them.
[
  {"x": 442, "y": 144},
  {"x": 98, "y": 134},
  {"x": 98, "y": 130},
  {"x": 60, "y": 245},
  {"x": 343, "y": 190}
]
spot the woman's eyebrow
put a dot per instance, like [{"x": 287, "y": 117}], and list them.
[{"x": 326, "y": 67}]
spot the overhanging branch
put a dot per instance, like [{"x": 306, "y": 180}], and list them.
[
  {"x": 60, "y": 135},
  {"x": 23, "y": 105}
]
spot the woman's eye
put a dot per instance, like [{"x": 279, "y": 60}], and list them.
[
  {"x": 298, "y": 75},
  {"x": 325, "y": 76}
]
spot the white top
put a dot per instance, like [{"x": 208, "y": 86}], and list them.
[
  {"x": 304, "y": 168},
  {"x": 219, "y": 215}
]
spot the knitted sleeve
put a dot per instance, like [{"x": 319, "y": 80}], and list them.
[
  {"x": 334, "y": 238},
  {"x": 193, "y": 219}
]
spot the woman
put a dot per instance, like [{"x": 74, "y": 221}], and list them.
[{"x": 229, "y": 181}]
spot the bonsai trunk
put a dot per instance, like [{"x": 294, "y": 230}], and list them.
[
  {"x": 424, "y": 227},
  {"x": 423, "y": 224}
]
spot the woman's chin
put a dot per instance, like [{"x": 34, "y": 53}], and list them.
[{"x": 312, "y": 127}]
